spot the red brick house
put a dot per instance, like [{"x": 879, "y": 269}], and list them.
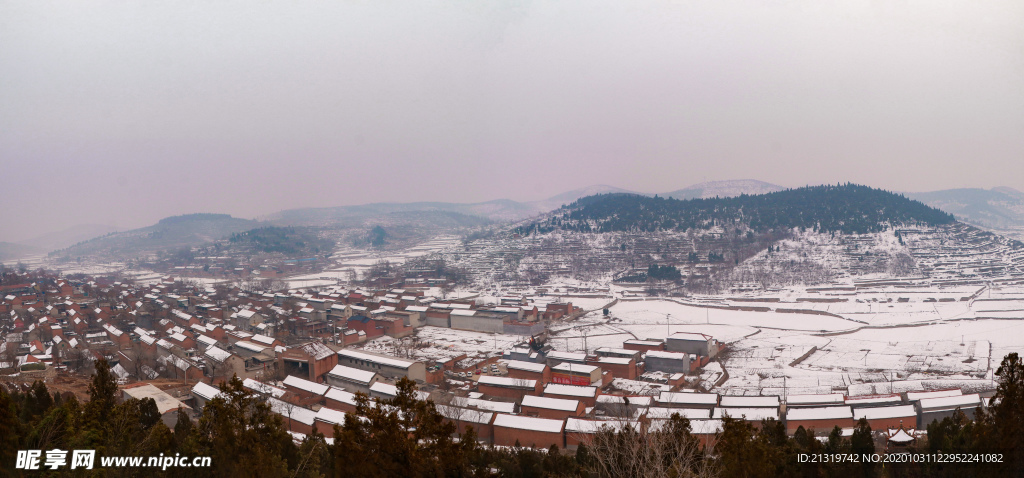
[
  {"x": 528, "y": 370},
  {"x": 310, "y": 361},
  {"x": 553, "y": 408},
  {"x": 822, "y": 420},
  {"x": 587, "y": 395},
  {"x": 507, "y": 387},
  {"x": 528, "y": 431}
]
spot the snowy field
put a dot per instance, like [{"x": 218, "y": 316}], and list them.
[
  {"x": 923, "y": 337},
  {"x": 441, "y": 344}
]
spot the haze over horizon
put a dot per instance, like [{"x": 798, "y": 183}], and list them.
[{"x": 123, "y": 115}]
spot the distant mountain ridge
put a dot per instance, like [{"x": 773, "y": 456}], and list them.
[
  {"x": 69, "y": 236},
  {"x": 10, "y": 251},
  {"x": 503, "y": 210},
  {"x": 169, "y": 233},
  {"x": 996, "y": 208},
  {"x": 500, "y": 210},
  {"x": 425, "y": 217},
  {"x": 733, "y": 188}
]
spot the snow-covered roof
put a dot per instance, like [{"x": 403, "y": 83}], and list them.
[
  {"x": 570, "y": 390},
  {"x": 295, "y": 412},
  {"x": 218, "y": 354},
  {"x": 575, "y": 368},
  {"x": 380, "y": 359},
  {"x": 872, "y": 399},
  {"x": 528, "y": 423},
  {"x": 303, "y": 384},
  {"x": 688, "y": 413},
  {"x": 820, "y": 413},
  {"x": 205, "y": 391},
  {"x": 164, "y": 401},
  {"x": 550, "y": 403},
  {"x": 527, "y": 366},
  {"x": 260, "y": 387},
  {"x": 263, "y": 339},
  {"x": 749, "y": 402},
  {"x": 568, "y": 356},
  {"x": 962, "y": 401},
  {"x": 749, "y": 414},
  {"x": 340, "y": 395},
  {"x": 507, "y": 382},
  {"x": 352, "y": 374},
  {"x": 901, "y": 436},
  {"x": 206, "y": 341},
  {"x": 316, "y": 350},
  {"x": 914, "y": 396},
  {"x": 465, "y": 414},
  {"x": 665, "y": 355},
  {"x": 390, "y": 390},
  {"x": 640, "y": 401},
  {"x": 885, "y": 412},
  {"x": 489, "y": 405},
  {"x": 706, "y": 427},
  {"x": 576, "y": 425},
  {"x": 333, "y": 417},
  {"x": 823, "y": 399},
  {"x": 683, "y": 398},
  {"x": 689, "y": 336}
]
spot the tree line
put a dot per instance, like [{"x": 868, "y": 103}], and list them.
[
  {"x": 407, "y": 437},
  {"x": 846, "y": 208}
]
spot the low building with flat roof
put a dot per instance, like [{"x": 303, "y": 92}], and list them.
[
  {"x": 881, "y": 418},
  {"x": 507, "y": 387},
  {"x": 528, "y": 431},
  {"x": 930, "y": 409},
  {"x": 165, "y": 403},
  {"x": 815, "y": 401},
  {"x": 821, "y": 420},
  {"x": 752, "y": 415},
  {"x": 687, "y": 400},
  {"x": 352, "y": 379},
  {"x": 579, "y": 430},
  {"x": 553, "y": 408},
  {"x": 385, "y": 365},
  {"x": 587, "y": 395}
]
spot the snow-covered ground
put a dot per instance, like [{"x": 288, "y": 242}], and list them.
[
  {"x": 441, "y": 344},
  {"x": 929, "y": 335}
]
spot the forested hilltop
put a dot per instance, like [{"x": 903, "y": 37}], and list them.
[{"x": 847, "y": 208}]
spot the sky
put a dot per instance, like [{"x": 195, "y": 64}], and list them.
[{"x": 122, "y": 113}]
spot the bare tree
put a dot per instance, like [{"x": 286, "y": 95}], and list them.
[
  {"x": 288, "y": 407},
  {"x": 135, "y": 355},
  {"x": 621, "y": 449},
  {"x": 406, "y": 346}
]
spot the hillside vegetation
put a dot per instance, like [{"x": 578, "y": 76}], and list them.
[
  {"x": 284, "y": 240},
  {"x": 849, "y": 208}
]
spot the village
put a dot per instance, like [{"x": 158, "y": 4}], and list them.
[{"x": 549, "y": 366}]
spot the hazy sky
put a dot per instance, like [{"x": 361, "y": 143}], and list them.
[{"x": 125, "y": 112}]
